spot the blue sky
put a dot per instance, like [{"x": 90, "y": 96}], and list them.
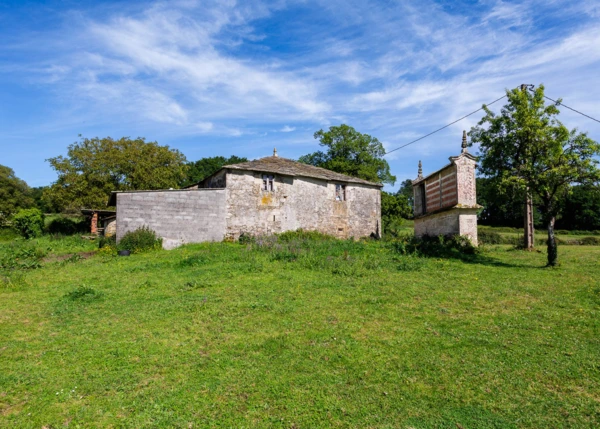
[{"x": 225, "y": 77}]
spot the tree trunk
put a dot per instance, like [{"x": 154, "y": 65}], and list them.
[{"x": 552, "y": 249}]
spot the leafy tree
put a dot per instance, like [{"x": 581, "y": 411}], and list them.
[
  {"x": 581, "y": 209},
  {"x": 394, "y": 208},
  {"x": 95, "y": 167},
  {"x": 501, "y": 206},
  {"x": 528, "y": 149},
  {"x": 14, "y": 194},
  {"x": 352, "y": 153},
  {"x": 406, "y": 189},
  {"x": 37, "y": 194},
  {"x": 204, "y": 167}
]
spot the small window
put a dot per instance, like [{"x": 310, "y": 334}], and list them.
[
  {"x": 340, "y": 192},
  {"x": 268, "y": 183}
]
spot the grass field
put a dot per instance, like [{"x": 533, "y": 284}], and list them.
[{"x": 299, "y": 335}]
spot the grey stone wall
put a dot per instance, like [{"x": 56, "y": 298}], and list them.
[
  {"x": 449, "y": 222},
  {"x": 182, "y": 216},
  {"x": 299, "y": 202}
]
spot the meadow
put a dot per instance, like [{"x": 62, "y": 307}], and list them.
[{"x": 297, "y": 333}]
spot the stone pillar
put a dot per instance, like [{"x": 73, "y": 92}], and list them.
[{"x": 94, "y": 227}]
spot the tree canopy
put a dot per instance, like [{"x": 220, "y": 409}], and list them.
[
  {"x": 526, "y": 148},
  {"x": 14, "y": 194},
  {"x": 93, "y": 168},
  {"x": 199, "y": 170},
  {"x": 352, "y": 153}
]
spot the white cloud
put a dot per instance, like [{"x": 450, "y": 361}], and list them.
[{"x": 287, "y": 129}]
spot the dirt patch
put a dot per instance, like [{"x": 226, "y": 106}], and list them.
[{"x": 60, "y": 258}]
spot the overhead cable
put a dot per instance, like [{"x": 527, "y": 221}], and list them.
[{"x": 445, "y": 126}]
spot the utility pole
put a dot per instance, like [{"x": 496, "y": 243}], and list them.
[{"x": 529, "y": 238}]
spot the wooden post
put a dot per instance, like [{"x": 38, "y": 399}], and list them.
[{"x": 529, "y": 238}]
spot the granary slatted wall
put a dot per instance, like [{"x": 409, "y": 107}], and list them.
[{"x": 440, "y": 189}]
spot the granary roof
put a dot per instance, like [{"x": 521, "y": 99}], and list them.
[{"x": 288, "y": 167}]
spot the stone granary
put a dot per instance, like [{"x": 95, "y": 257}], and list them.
[
  {"x": 264, "y": 196},
  {"x": 445, "y": 200}
]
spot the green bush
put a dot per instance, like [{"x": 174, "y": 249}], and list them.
[
  {"x": 489, "y": 237},
  {"x": 29, "y": 223},
  {"x": 68, "y": 226},
  {"x": 140, "y": 240},
  {"x": 107, "y": 242},
  {"x": 438, "y": 247}
]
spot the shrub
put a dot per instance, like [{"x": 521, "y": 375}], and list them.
[
  {"x": 489, "y": 237},
  {"x": 439, "y": 247},
  {"x": 67, "y": 226},
  {"x": 140, "y": 240},
  {"x": 589, "y": 241},
  {"x": 246, "y": 238},
  {"x": 107, "y": 242},
  {"x": 29, "y": 223}
]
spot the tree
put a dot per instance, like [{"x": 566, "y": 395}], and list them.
[
  {"x": 204, "y": 167},
  {"x": 14, "y": 194},
  {"x": 500, "y": 208},
  {"x": 528, "y": 149},
  {"x": 93, "y": 168},
  {"x": 581, "y": 209},
  {"x": 406, "y": 189},
  {"x": 394, "y": 208},
  {"x": 352, "y": 153}
]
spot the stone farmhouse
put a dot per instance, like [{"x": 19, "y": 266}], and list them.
[{"x": 264, "y": 196}]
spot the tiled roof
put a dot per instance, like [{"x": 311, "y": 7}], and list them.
[{"x": 288, "y": 167}]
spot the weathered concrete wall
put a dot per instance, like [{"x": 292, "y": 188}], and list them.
[
  {"x": 299, "y": 202},
  {"x": 187, "y": 216},
  {"x": 449, "y": 222}
]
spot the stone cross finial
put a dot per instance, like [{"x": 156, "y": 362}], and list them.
[
  {"x": 420, "y": 172},
  {"x": 464, "y": 142},
  {"x": 274, "y": 151}
]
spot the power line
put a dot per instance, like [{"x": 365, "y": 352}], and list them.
[
  {"x": 445, "y": 126},
  {"x": 570, "y": 108}
]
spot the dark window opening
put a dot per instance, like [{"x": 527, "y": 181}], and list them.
[
  {"x": 340, "y": 192},
  {"x": 268, "y": 183}
]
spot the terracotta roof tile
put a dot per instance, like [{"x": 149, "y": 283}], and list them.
[{"x": 288, "y": 167}]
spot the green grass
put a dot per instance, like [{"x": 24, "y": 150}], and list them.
[{"x": 301, "y": 334}]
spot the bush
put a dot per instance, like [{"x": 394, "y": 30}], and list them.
[
  {"x": 140, "y": 240},
  {"x": 489, "y": 237},
  {"x": 29, "y": 223},
  {"x": 439, "y": 247},
  {"x": 107, "y": 242},
  {"x": 67, "y": 226}
]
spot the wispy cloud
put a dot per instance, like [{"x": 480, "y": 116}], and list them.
[{"x": 239, "y": 70}]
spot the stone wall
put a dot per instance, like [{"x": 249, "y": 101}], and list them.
[
  {"x": 180, "y": 216},
  {"x": 449, "y": 222},
  {"x": 299, "y": 202}
]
